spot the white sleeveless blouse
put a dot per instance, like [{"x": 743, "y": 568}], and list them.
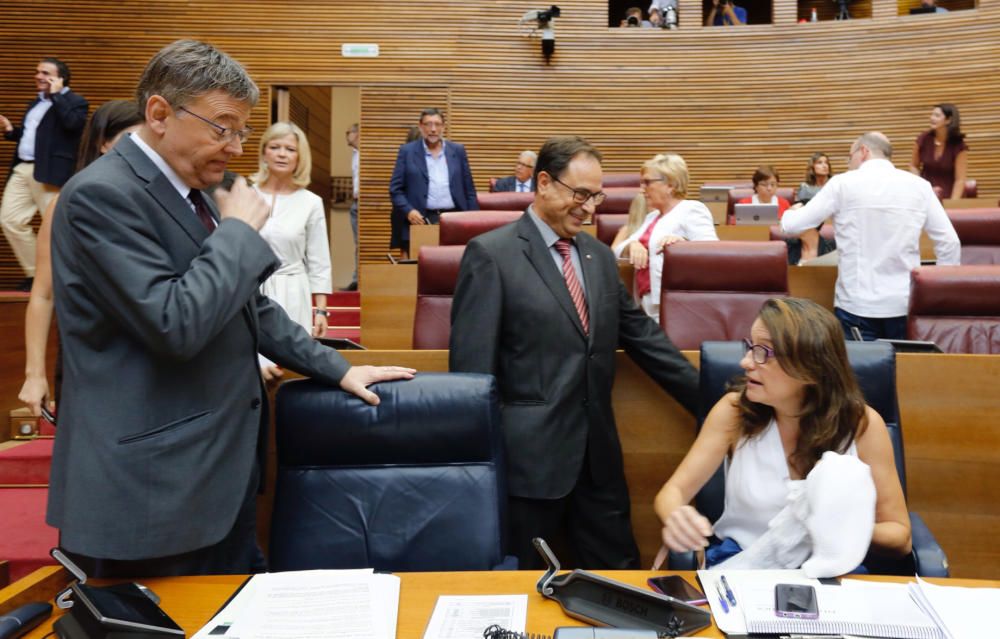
[{"x": 757, "y": 485}]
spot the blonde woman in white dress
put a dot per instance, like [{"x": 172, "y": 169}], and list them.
[{"x": 295, "y": 230}]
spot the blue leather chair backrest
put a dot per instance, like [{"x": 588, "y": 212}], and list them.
[
  {"x": 413, "y": 484},
  {"x": 874, "y": 365}
]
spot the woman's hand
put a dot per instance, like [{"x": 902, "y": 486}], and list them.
[
  {"x": 638, "y": 255},
  {"x": 320, "y": 324},
  {"x": 685, "y": 530},
  {"x": 271, "y": 373},
  {"x": 667, "y": 241},
  {"x": 34, "y": 391}
]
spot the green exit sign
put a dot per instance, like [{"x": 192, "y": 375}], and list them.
[{"x": 359, "y": 50}]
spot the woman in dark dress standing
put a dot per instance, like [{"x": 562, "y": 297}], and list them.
[{"x": 940, "y": 154}]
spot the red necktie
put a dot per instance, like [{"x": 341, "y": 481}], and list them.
[
  {"x": 202, "y": 209},
  {"x": 573, "y": 284}
]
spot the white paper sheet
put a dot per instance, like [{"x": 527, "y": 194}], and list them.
[
  {"x": 461, "y": 617},
  {"x": 313, "y": 604}
]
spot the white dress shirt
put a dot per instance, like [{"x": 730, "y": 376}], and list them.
[
  {"x": 878, "y": 213},
  {"x": 690, "y": 220}
]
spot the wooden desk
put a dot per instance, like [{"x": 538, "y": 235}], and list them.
[
  {"x": 12, "y": 308},
  {"x": 191, "y": 601}
]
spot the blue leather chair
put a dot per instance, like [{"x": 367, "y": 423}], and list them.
[
  {"x": 874, "y": 364},
  {"x": 414, "y": 484}
]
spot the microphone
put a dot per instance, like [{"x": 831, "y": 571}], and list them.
[{"x": 19, "y": 621}]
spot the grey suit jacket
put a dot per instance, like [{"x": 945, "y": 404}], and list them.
[
  {"x": 162, "y": 402},
  {"x": 512, "y": 316}
]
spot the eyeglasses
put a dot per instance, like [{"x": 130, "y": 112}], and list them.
[
  {"x": 647, "y": 182},
  {"x": 759, "y": 352},
  {"x": 225, "y": 134},
  {"x": 527, "y": 166},
  {"x": 580, "y": 196}
]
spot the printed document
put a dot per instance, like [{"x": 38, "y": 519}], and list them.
[{"x": 458, "y": 617}]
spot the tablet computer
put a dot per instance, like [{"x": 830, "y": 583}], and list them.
[
  {"x": 341, "y": 344},
  {"x": 124, "y": 607},
  {"x": 912, "y": 345},
  {"x": 760, "y": 214}
]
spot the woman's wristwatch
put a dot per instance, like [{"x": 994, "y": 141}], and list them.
[{"x": 320, "y": 311}]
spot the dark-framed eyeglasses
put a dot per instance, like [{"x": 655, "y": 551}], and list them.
[
  {"x": 758, "y": 352},
  {"x": 225, "y": 134},
  {"x": 580, "y": 196}
]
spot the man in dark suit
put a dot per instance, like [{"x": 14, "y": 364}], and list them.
[
  {"x": 521, "y": 181},
  {"x": 45, "y": 158},
  {"x": 540, "y": 305},
  {"x": 431, "y": 177},
  {"x": 162, "y": 418}
]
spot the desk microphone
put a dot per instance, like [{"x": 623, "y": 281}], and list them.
[{"x": 19, "y": 621}]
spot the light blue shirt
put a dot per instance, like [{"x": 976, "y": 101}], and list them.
[
  {"x": 522, "y": 187},
  {"x": 26, "y": 146},
  {"x": 550, "y": 238},
  {"x": 438, "y": 189}
]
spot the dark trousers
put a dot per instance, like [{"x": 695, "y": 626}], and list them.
[
  {"x": 871, "y": 328},
  {"x": 237, "y": 553},
  {"x": 593, "y": 521}
]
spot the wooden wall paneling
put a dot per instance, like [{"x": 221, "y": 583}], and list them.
[
  {"x": 726, "y": 99},
  {"x": 310, "y": 109}
]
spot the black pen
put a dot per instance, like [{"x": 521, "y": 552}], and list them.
[{"x": 729, "y": 592}]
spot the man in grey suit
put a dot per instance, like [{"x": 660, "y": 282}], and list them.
[
  {"x": 162, "y": 418},
  {"x": 540, "y": 305},
  {"x": 521, "y": 181}
]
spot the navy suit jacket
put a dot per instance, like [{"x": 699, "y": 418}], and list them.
[
  {"x": 509, "y": 183},
  {"x": 57, "y": 138},
  {"x": 409, "y": 183}
]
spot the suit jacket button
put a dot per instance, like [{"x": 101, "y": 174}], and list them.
[{"x": 255, "y": 403}]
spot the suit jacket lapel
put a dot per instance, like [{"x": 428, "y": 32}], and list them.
[
  {"x": 162, "y": 190},
  {"x": 541, "y": 259}
]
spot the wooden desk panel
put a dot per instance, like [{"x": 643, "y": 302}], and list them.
[
  {"x": 388, "y": 301},
  {"x": 12, "y": 308},
  {"x": 191, "y": 601}
]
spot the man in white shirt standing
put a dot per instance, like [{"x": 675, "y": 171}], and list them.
[
  {"x": 353, "y": 135},
  {"x": 878, "y": 213},
  {"x": 44, "y": 160}
]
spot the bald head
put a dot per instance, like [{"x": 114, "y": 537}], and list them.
[{"x": 877, "y": 143}]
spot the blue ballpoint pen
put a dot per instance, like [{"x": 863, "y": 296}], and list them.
[
  {"x": 729, "y": 592},
  {"x": 722, "y": 598}
]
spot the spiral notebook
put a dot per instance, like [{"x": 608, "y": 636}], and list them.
[{"x": 861, "y": 608}]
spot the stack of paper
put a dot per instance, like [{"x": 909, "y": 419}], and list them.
[
  {"x": 959, "y": 612},
  {"x": 310, "y": 604}
]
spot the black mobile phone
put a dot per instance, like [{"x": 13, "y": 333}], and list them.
[
  {"x": 675, "y": 586},
  {"x": 797, "y": 601}
]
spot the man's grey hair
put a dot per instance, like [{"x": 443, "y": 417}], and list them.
[
  {"x": 530, "y": 154},
  {"x": 186, "y": 69},
  {"x": 877, "y": 143}
]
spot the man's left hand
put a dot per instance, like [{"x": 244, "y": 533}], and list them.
[
  {"x": 358, "y": 378},
  {"x": 55, "y": 85}
]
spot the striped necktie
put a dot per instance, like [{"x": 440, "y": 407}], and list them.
[
  {"x": 201, "y": 208},
  {"x": 564, "y": 247}
]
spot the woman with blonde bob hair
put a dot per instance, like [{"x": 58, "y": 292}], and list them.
[
  {"x": 797, "y": 399},
  {"x": 295, "y": 230},
  {"x": 671, "y": 218}
]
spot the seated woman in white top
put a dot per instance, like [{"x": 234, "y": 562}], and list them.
[
  {"x": 671, "y": 219},
  {"x": 797, "y": 400}
]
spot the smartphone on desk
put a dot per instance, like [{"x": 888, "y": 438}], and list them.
[
  {"x": 675, "y": 586},
  {"x": 795, "y": 601}
]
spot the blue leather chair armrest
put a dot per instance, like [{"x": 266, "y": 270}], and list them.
[
  {"x": 928, "y": 556},
  {"x": 682, "y": 561},
  {"x": 509, "y": 563}
]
